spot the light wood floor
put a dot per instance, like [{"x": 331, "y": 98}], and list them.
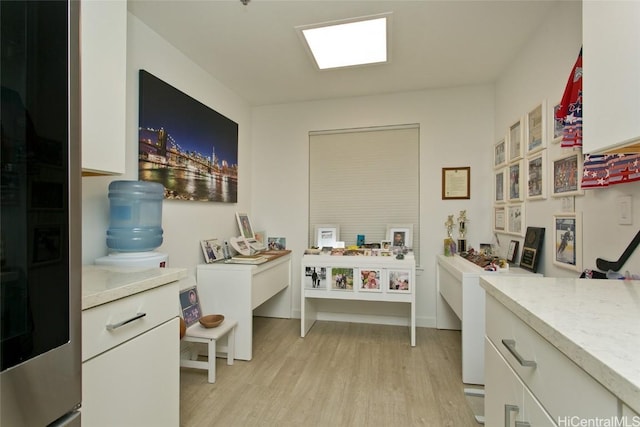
[{"x": 340, "y": 374}]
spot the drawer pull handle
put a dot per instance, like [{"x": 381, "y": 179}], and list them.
[
  {"x": 113, "y": 326},
  {"x": 511, "y": 346}
]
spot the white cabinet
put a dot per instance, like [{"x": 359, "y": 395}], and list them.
[
  {"x": 460, "y": 305},
  {"x": 525, "y": 370},
  {"x": 130, "y": 360},
  {"x": 611, "y": 63},
  {"x": 236, "y": 290},
  {"x": 103, "y": 77},
  {"x": 347, "y": 278}
]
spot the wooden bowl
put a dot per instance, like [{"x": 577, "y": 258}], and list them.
[
  {"x": 183, "y": 328},
  {"x": 211, "y": 320}
]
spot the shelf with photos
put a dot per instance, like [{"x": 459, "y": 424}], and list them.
[{"x": 399, "y": 239}]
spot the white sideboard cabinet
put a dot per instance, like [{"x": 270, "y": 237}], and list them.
[
  {"x": 461, "y": 306},
  {"x": 103, "y": 77},
  {"x": 236, "y": 290},
  {"x": 357, "y": 278},
  {"x": 611, "y": 40}
]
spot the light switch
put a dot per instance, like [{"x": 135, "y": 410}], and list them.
[{"x": 625, "y": 214}]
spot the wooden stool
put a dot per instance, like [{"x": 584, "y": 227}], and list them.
[{"x": 198, "y": 334}]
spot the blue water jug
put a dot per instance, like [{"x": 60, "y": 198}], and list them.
[{"x": 135, "y": 216}]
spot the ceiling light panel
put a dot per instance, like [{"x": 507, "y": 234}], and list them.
[{"x": 348, "y": 43}]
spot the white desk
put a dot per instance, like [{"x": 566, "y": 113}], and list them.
[
  {"x": 461, "y": 306},
  {"x": 388, "y": 267},
  {"x": 235, "y": 290}
]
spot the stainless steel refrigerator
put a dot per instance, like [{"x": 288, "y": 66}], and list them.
[{"x": 40, "y": 254}]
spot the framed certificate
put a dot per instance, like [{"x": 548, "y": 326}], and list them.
[{"x": 456, "y": 183}]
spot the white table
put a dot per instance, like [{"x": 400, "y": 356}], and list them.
[{"x": 236, "y": 290}]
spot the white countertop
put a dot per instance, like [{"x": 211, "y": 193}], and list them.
[
  {"x": 103, "y": 284},
  {"x": 596, "y": 323}
]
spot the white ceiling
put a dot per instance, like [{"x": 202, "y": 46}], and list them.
[{"x": 255, "y": 50}]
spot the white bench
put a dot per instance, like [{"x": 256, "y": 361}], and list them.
[{"x": 197, "y": 333}]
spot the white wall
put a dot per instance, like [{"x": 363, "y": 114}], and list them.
[
  {"x": 540, "y": 72},
  {"x": 455, "y": 125},
  {"x": 184, "y": 223}
]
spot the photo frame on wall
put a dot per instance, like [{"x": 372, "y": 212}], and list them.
[
  {"x": 566, "y": 173},
  {"x": 515, "y": 179},
  {"x": 456, "y": 183},
  {"x": 515, "y": 141},
  {"x": 532, "y": 248},
  {"x": 536, "y": 176},
  {"x": 500, "y": 153},
  {"x": 499, "y": 218},
  {"x": 567, "y": 241},
  {"x": 536, "y": 127},
  {"x": 500, "y": 185},
  {"x": 515, "y": 219},
  {"x": 556, "y": 126}
]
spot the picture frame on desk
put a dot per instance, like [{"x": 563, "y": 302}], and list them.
[
  {"x": 512, "y": 253},
  {"x": 212, "y": 250},
  {"x": 532, "y": 249},
  {"x": 326, "y": 235},
  {"x": 400, "y": 234},
  {"x": 399, "y": 281}
]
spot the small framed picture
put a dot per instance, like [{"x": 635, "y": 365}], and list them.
[
  {"x": 245, "y": 225},
  {"x": 386, "y": 244},
  {"x": 567, "y": 241},
  {"x": 400, "y": 234},
  {"x": 515, "y": 141},
  {"x": 515, "y": 182},
  {"x": 499, "y": 218},
  {"x": 326, "y": 235},
  {"x": 456, "y": 183},
  {"x": 556, "y": 126},
  {"x": 315, "y": 278},
  {"x": 499, "y": 186},
  {"x": 566, "y": 173},
  {"x": 536, "y": 125},
  {"x": 399, "y": 281},
  {"x": 536, "y": 176},
  {"x": 341, "y": 278},
  {"x": 212, "y": 250},
  {"x": 515, "y": 219},
  {"x": 512, "y": 253},
  {"x": 277, "y": 243},
  {"x": 500, "y": 153},
  {"x": 370, "y": 280}
]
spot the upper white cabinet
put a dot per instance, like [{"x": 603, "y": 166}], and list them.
[
  {"x": 611, "y": 62},
  {"x": 103, "y": 61}
]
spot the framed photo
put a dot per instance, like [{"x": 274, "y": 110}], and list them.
[
  {"x": 556, "y": 126},
  {"x": 499, "y": 187},
  {"x": 400, "y": 234},
  {"x": 456, "y": 183},
  {"x": 515, "y": 178},
  {"x": 326, "y": 235},
  {"x": 212, "y": 250},
  {"x": 536, "y": 126},
  {"x": 246, "y": 230},
  {"x": 536, "y": 176},
  {"x": 190, "y": 305},
  {"x": 515, "y": 141},
  {"x": 261, "y": 237},
  {"x": 566, "y": 175},
  {"x": 499, "y": 218},
  {"x": 567, "y": 241},
  {"x": 512, "y": 253},
  {"x": 515, "y": 219},
  {"x": 370, "y": 280},
  {"x": 386, "y": 244},
  {"x": 277, "y": 243},
  {"x": 341, "y": 278},
  {"x": 500, "y": 153},
  {"x": 399, "y": 281},
  {"x": 315, "y": 278},
  {"x": 532, "y": 248}
]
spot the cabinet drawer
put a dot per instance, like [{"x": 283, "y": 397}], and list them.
[
  {"x": 100, "y": 330},
  {"x": 562, "y": 387}
]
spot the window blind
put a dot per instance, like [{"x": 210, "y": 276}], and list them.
[{"x": 365, "y": 180}]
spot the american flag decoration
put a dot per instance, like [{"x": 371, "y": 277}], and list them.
[
  {"x": 570, "y": 111},
  {"x": 602, "y": 170}
]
